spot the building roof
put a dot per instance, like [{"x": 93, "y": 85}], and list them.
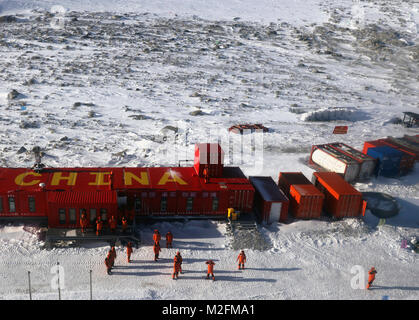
[
  {"x": 306, "y": 190},
  {"x": 383, "y": 151},
  {"x": 412, "y": 115},
  {"x": 106, "y": 179},
  {"x": 95, "y": 197},
  {"x": 268, "y": 189},
  {"x": 335, "y": 184}
]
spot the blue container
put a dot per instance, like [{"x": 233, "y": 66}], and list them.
[{"x": 388, "y": 160}]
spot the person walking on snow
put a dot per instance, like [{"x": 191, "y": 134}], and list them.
[
  {"x": 176, "y": 267},
  {"x": 169, "y": 239},
  {"x": 210, "y": 271},
  {"x": 241, "y": 259},
  {"x": 156, "y": 249},
  {"x": 180, "y": 259},
  {"x": 113, "y": 255},
  {"x": 157, "y": 236},
  {"x": 129, "y": 251},
  {"x": 371, "y": 277},
  {"x": 108, "y": 265}
]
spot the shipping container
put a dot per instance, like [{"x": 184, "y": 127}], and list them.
[
  {"x": 405, "y": 144},
  {"x": 65, "y": 208},
  {"x": 286, "y": 179},
  {"x": 412, "y": 138},
  {"x": 210, "y": 156},
  {"x": 332, "y": 160},
  {"x": 341, "y": 199},
  {"x": 367, "y": 163},
  {"x": 270, "y": 203},
  {"x": 306, "y": 201},
  {"x": 388, "y": 158},
  {"x": 408, "y": 159}
]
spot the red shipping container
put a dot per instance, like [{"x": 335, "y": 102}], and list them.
[
  {"x": 271, "y": 204},
  {"x": 209, "y": 155},
  {"x": 306, "y": 201},
  {"x": 341, "y": 199},
  {"x": 65, "y": 207},
  {"x": 408, "y": 160},
  {"x": 286, "y": 179}
]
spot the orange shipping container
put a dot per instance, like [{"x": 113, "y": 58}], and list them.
[
  {"x": 286, "y": 179},
  {"x": 306, "y": 201},
  {"x": 341, "y": 199}
]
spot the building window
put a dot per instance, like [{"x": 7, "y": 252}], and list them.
[
  {"x": 1, "y": 204},
  {"x": 12, "y": 204},
  {"x": 61, "y": 216},
  {"x": 72, "y": 216},
  {"x": 214, "y": 204},
  {"x": 31, "y": 204},
  {"x": 163, "y": 204},
  {"x": 104, "y": 214},
  {"x": 93, "y": 215},
  {"x": 137, "y": 204},
  {"x": 189, "y": 204}
]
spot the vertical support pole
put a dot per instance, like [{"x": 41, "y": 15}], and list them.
[
  {"x": 30, "y": 289},
  {"x": 91, "y": 295},
  {"x": 58, "y": 280}
]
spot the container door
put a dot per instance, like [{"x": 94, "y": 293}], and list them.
[{"x": 275, "y": 212}]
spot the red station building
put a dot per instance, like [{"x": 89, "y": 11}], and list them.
[{"x": 61, "y": 194}]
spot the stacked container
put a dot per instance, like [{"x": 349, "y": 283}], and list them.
[
  {"x": 388, "y": 160},
  {"x": 270, "y": 203},
  {"x": 367, "y": 163},
  {"x": 412, "y": 138},
  {"x": 333, "y": 160},
  {"x": 306, "y": 201},
  {"x": 341, "y": 199},
  {"x": 408, "y": 158},
  {"x": 405, "y": 144}
]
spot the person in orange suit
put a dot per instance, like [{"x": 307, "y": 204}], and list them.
[
  {"x": 180, "y": 260},
  {"x": 124, "y": 224},
  {"x": 205, "y": 173},
  {"x": 241, "y": 259},
  {"x": 99, "y": 226},
  {"x": 371, "y": 277},
  {"x": 112, "y": 254},
  {"x": 156, "y": 236},
  {"x": 112, "y": 224},
  {"x": 129, "y": 251},
  {"x": 108, "y": 266},
  {"x": 210, "y": 271},
  {"x": 110, "y": 259},
  {"x": 176, "y": 266},
  {"x": 169, "y": 239},
  {"x": 156, "y": 249},
  {"x": 83, "y": 221}
]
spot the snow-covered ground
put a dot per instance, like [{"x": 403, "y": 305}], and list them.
[{"x": 105, "y": 83}]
